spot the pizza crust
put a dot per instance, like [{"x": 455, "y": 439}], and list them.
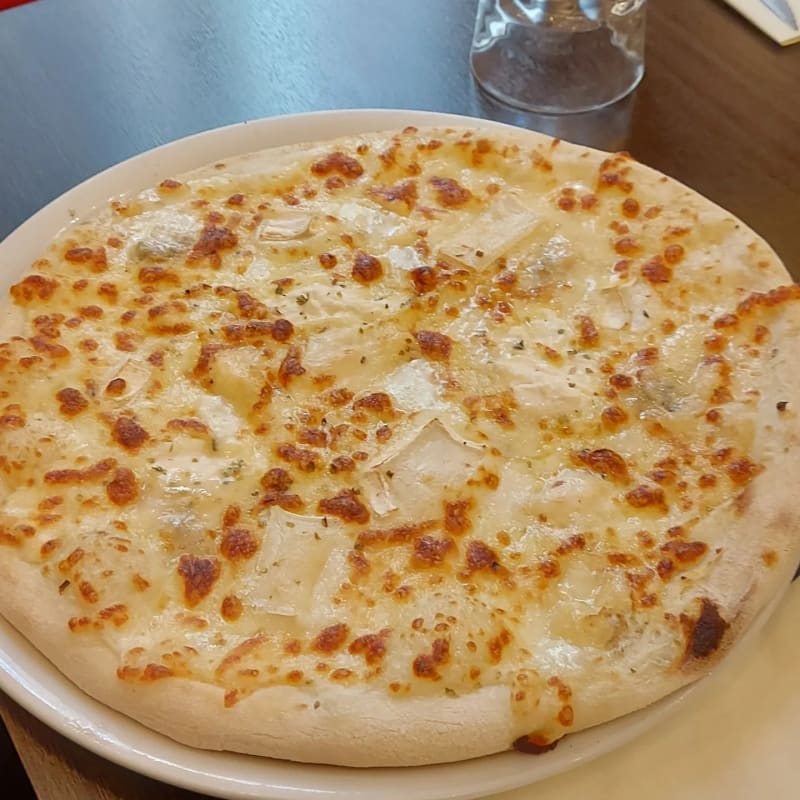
[{"x": 357, "y": 725}]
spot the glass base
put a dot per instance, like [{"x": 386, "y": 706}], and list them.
[{"x": 565, "y": 64}]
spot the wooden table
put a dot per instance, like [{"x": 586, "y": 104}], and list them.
[{"x": 87, "y": 83}]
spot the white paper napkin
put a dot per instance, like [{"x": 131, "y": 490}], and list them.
[
  {"x": 737, "y": 738},
  {"x": 771, "y": 24}
]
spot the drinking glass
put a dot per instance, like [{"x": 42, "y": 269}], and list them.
[{"x": 559, "y": 56}]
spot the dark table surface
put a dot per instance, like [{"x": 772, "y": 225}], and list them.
[{"x": 87, "y": 83}]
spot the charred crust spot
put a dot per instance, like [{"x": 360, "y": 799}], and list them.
[
  {"x": 346, "y": 506},
  {"x": 705, "y": 633},
  {"x": 534, "y": 744},
  {"x": 434, "y": 345},
  {"x": 331, "y": 639}
]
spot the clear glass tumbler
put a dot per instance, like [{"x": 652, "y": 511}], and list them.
[{"x": 559, "y": 56}]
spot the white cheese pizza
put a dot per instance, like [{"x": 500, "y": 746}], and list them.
[{"x": 402, "y": 448}]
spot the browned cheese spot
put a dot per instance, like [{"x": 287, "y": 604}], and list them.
[
  {"x": 456, "y": 517},
  {"x": 213, "y": 239},
  {"x": 656, "y": 271},
  {"x": 403, "y": 192},
  {"x": 481, "y": 558},
  {"x": 199, "y": 575},
  {"x": 238, "y": 544},
  {"x": 290, "y": 366},
  {"x": 430, "y": 551},
  {"x": 346, "y": 506},
  {"x": 33, "y": 287},
  {"x": 331, "y": 639},
  {"x": 497, "y": 644},
  {"x": 450, "y": 193},
  {"x": 339, "y": 163},
  {"x": 644, "y": 496},
  {"x": 72, "y": 402},
  {"x": 123, "y": 488},
  {"x": 129, "y": 434},
  {"x": 425, "y": 665},
  {"x": 95, "y": 258},
  {"x": 434, "y": 345},
  {"x": 276, "y": 479},
  {"x": 605, "y": 462},
  {"x": 366, "y": 268},
  {"x": 231, "y": 608},
  {"x": 371, "y": 646}
]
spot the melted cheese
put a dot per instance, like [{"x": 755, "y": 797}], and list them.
[{"x": 448, "y": 396}]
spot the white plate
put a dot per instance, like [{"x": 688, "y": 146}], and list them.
[{"x": 35, "y": 684}]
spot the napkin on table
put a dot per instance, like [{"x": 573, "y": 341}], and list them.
[{"x": 763, "y": 18}]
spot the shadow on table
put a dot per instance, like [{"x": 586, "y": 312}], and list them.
[{"x": 606, "y": 129}]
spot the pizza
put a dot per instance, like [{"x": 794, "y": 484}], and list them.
[{"x": 401, "y": 448}]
